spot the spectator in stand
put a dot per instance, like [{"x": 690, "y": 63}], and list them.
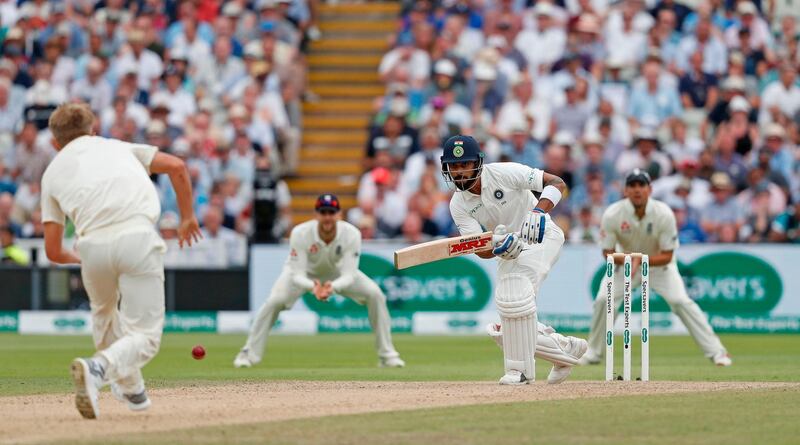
[
  {"x": 756, "y": 228},
  {"x": 760, "y": 38},
  {"x": 394, "y": 137},
  {"x": 698, "y": 89},
  {"x": 653, "y": 102},
  {"x": 724, "y": 212},
  {"x": 405, "y": 61},
  {"x": 31, "y": 155},
  {"x": 715, "y": 55},
  {"x": 780, "y": 100},
  {"x": 573, "y": 115},
  {"x": 689, "y": 232},
  {"x": 682, "y": 145},
  {"x": 782, "y": 153},
  {"x": 646, "y": 155},
  {"x": 726, "y": 159},
  {"x": 733, "y": 86},
  {"x": 10, "y": 253},
  {"x": 544, "y": 44},
  {"x": 786, "y": 227},
  {"x": 586, "y": 229},
  {"x": 429, "y": 155},
  {"x": 234, "y": 244},
  {"x": 756, "y": 180},
  {"x": 521, "y": 147},
  {"x": 740, "y": 126}
]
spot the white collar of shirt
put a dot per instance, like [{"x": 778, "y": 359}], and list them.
[{"x": 648, "y": 208}]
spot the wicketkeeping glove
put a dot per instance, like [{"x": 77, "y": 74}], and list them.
[
  {"x": 506, "y": 245},
  {"x": 532, "y": 231}
]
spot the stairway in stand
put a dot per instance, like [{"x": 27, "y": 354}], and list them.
[{"x": 343, "y": 72}]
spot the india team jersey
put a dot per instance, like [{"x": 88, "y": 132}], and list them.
[
  {"x": 99, "y": 182},
  {"x": 505, "y": 198},
  {"x": 624, "y": 231},
  {"x": 310, "y": 257}
]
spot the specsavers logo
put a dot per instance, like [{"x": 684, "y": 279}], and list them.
[
  {"x": 457, "y": 284},
  {"x": 721, "y": 283}
]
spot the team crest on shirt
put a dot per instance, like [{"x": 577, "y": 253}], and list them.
[
  {"x": 293, "y": 253},
  {"x": 625, "y": 227},
  {"x": 338, "y": 250},
  {"x": 649, "y": 228},
  {"x": 498, "y": 194},
  {"x": 314, "y": 249}
]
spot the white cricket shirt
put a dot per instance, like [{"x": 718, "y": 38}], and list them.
[
  {"x": 99, "y": 182},
  {"x": 623, "y": 231},
  {"x": 310, "y": 257},
  {"x": 505, "y": 198}
]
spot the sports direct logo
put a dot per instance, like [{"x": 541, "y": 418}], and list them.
[{"x": 469, "y": 245}]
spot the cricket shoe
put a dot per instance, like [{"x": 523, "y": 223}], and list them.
[
  {"x": 391, "y": 362},
  {"x": 589, "y": 358},
  {"x": 242, "y": 360},
  {"x": 88, "y": 376},
  {"x": 135, "y": 402},
  {"x": 514, "y": 378},
  {"x": 722, "y": 359},
  {"x": 577, "y": 348}
]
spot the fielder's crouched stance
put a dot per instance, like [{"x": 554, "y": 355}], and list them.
[
  {"x": 323, "y": 260},
  {"x": 494, "y": 197},
  {"x": 639, "y": 223}
]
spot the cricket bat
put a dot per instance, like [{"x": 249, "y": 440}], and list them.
[{"x": 442, "y": 248}]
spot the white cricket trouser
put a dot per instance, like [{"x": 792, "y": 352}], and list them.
[
  {"x": 284, "y": 294},
  {"x": 535, "y": 263},
  {"x": 666, "y": 281},
  {"x": 123, "y": 273}
]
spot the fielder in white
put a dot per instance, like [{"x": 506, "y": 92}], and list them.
[
  {"x": 641, "y": 224},
  {"x": 498, "y": 197},
  {"x": 103, "y": 186},
  {"x": 323, "y": 260}
]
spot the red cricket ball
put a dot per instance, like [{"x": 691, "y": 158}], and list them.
[{"x": 198, "y": 352}]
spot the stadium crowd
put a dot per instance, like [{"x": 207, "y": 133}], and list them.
[
  {"x": 704, "y": 96},
  {"x": 216, "y": 83}
]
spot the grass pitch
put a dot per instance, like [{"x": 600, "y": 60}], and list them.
[{"x": 38, "y": 365}]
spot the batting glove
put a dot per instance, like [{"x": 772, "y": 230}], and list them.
[
  {"x": 507, "y": 246},
  {"x": 532, "y": 231}
]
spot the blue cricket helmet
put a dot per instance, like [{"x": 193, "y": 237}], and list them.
[{"x": 461, "y": 148}]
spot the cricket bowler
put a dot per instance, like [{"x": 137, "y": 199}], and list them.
[
  {"x": 498, "y": 197},
  {"x": 323, "y": 260},
  {"x": 103, "y": 186},
  {"x": 644, "y": 225}
]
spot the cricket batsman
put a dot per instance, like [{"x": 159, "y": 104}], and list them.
[
  {"x": 498, "y": 197},
  {"x": 104, "y": 187},
  {"x": 641, "y": 224},
  {"x": 324, "y": 261}
]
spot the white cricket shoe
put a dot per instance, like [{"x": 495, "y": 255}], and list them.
[
  {"x": 514, "y": 378},
  {"x": 87, "y": 375},
  {"x": 392, "y": 362},
  {"x": 577, "y": 348},
  {"x": 135, "y": 402},
  {"x": 722, "y": 359},
  {"x": 242, "y": 360},
  {"x": 589, "y": 358}
]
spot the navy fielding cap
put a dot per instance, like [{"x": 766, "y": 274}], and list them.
[
  {"x": 637, "y": 175},
  {"x": 327, "y": 201},
  {"x": 461, "y": 148}
]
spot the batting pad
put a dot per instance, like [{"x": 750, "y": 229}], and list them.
[{"x": 516, "y": 305}]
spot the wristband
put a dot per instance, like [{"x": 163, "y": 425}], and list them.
[
  {"x": 537, "y": 209},
  {"x": 552, "y": 193}
]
